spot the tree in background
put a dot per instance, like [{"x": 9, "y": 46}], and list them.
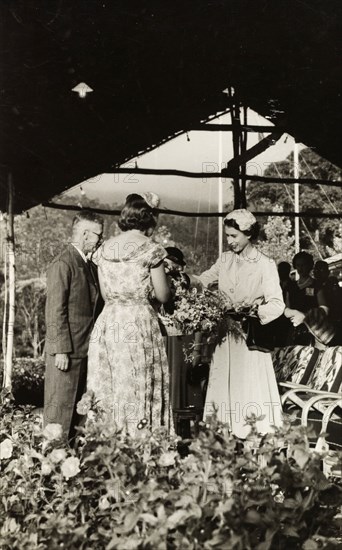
[
  {"x": 196, "y": 237},
  {"x": 30, "y": 327},
  {"x": 316, "y": 232},
  {"x": 40, "y": 236},
  {"x": 43, "y": 232},
  {"x": 337, "y": 242},
  {"x": 279, "y": 243}
]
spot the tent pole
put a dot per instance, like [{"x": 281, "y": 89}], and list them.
[
  {"x": 11, "y": 287},
  {"x": 4, "y": 260},
  {"x": 243, "y": 148},
  {"x": 220, "y": 197}
]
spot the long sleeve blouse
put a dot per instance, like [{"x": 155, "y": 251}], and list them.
[{"x": 253, "y": 279}]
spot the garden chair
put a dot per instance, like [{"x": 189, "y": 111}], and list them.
[
  {"x": 318, "y": 401},
  {"x": 293, "y": 364}
]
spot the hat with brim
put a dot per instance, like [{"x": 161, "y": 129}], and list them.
[
  {"x": 320, "y": 326},
  {"x": 175, "y": 255}
]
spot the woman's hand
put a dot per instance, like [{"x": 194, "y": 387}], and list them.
[
  {"x": 195, "y": 282},
  {"x": 196, "y": 360},
  {"x": 296, "y": 317}
]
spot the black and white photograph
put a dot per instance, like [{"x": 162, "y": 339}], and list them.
[{"x": 171, "y": 275}]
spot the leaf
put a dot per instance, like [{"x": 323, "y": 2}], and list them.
[
  {"x": 252, "y": 516},
  {"x": 265, "y": 545},
  {"x": 161, "y": 514},
  {"x": 290, "y": 503},
  {"x": 301, "y": 457},
  {"x": 290, "y": 532},
  {"x": 298, "y": 497},
  {"x": 224, "y": 507},
  {"x": 323, "y": 484},
  {"x": 177, "y": 518},
  {"x": 33, "y": 538},
  {"x": 131, "y": 520},
  {"x": 131, "y": 543},
  {"x": 184, "y": 501},
  {"x": 310, "y": 545},
  {"x": 150, "y": 519},
  {"x": 113, "y": 544},
  {"x": 34, "y": 454}
]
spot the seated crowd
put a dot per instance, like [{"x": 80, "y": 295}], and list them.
[{"x": 313, "y": 312}]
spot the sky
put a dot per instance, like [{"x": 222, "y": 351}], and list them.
[{"x": 195, "y": 151}]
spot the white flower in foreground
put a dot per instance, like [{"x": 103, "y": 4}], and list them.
[
  {"x": 57, "y": 455},
  {"x": 167, "y": 459},
  {"x": 6, "y": 449},
  {"x": 104, "y": 503},
  {"x": 70, "y": 467},
  {"x": 53, "y": 431},
  {"x": 46, "y": 468}
]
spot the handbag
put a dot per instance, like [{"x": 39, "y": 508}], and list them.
[{"x": 258, "y": 337}]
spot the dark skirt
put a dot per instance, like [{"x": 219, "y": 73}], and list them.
[{"x": 183, "y": 394}]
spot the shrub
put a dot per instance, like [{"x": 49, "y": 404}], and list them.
[
  {"x": 27, "y": 381},
  {"x": 116, "y": 492}
]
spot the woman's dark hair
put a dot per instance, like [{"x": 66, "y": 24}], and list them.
[
  {"x": 304, "y": 256},
  {"x": 137, "y": 214},
  {"x": 253, "y": 232}
]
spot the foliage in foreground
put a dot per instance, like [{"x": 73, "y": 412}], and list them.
[
  {"x": 115, "y": 492},
  {"x": 27, "y": 380}
]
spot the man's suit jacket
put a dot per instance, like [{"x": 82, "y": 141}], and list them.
[{"x": 72, "y": 305}]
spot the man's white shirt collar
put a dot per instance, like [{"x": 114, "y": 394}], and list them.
[{"x": 80, "y": 252}]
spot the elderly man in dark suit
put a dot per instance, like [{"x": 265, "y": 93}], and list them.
[{"x": 72, "y": 305}]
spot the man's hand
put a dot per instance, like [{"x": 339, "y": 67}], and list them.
[{"x": 62, "y": 361}]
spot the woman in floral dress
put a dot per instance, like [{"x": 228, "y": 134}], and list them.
[
  {"x": 242, "y": 380},
  {"x": 127, "y": 364}
]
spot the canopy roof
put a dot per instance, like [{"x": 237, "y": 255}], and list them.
[{"x": 155, "y": 68}]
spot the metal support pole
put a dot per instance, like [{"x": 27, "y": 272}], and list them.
[
  {"x": 220, "y": 197},
  {"x": 296, "y": 195}
]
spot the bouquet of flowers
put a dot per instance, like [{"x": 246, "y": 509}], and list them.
[{"x": 206, "y": 311}]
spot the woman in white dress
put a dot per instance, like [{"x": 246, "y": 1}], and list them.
[{"x": 242, "y": 381}]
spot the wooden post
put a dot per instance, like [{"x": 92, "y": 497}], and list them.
[
  {"x": 243, "y": 148},
  {"x": 7, "y": 383},
  {"x": 235, "y": 115},
  {"x": 5, "y": 290}
]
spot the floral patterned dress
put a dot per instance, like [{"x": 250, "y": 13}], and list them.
[{"x": 127, "y": 364}]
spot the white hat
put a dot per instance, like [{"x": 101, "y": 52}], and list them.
[
  {"x": 152, "y": 199},
  {"x": 244, "y": 218}
]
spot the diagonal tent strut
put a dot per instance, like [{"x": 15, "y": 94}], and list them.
[
  {"x": 254, "y": 151},
  {"x": 237, "y": 165}
]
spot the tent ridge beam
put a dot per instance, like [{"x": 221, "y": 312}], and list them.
[
  {"x": 229, "y": 127},
  {"x": 116, "y": 212},
  {"x": 225, "y": 173}
]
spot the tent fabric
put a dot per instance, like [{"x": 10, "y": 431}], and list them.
[{"x": 155, "y": 68}]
